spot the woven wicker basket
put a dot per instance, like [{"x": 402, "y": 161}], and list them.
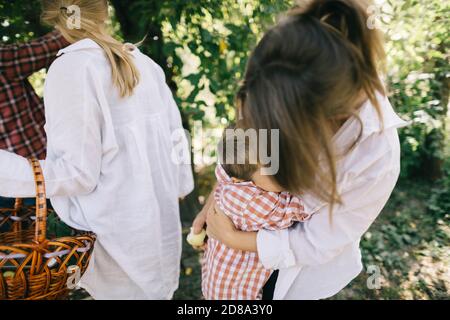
[{"x": 33, "y": 267}]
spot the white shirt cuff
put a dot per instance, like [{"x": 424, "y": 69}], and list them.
[{"x": 274, "y": 249}]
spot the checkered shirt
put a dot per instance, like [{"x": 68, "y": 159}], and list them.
[
  {"x": 229, "y": 274},
  {"x": 21, "y": 110}
]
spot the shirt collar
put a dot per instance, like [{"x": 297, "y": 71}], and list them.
[
  {"x": 371, "y": 122},
  {"x": 79, "y": 45},
  {"x": 350, "y": 131}
]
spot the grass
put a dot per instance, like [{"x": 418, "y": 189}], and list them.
[
  {"x": 411, "y": 247},
  {"x": 409, "y": 244}
]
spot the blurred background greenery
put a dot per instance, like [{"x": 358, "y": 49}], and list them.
[{"x": 203, "y": 47}]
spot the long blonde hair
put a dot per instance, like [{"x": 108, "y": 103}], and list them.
[{"x": 91, "y": 23}]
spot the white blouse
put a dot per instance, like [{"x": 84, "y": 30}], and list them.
[
  {"x": 113, "y": 168},
  {"x": 316, "y": 259}
]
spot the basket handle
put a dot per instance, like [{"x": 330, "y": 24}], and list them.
[{"x": 41, "y": 202}]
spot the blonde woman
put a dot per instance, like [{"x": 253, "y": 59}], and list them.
[{"x": 112, "y": 165}]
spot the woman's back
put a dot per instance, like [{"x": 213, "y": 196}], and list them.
[
  {"x": 125, "y": 175},
  {"x": 117, "y": 156}
]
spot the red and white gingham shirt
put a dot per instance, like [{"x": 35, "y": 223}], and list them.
[
  {"x": 21, "y": 110},
  {"x": 229, "y": 274}
]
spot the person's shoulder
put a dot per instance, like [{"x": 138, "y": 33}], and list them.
[
  {"x": 73, "y": 66},
  {"x": 68, "y": 70},
  {"x": 78, "y": 57},
  {"x": 70, "y": 61},
  {"x": 375, "y": 157},
  {"x": 155, "y": 68},
  {"x": 375, "y": 122}
]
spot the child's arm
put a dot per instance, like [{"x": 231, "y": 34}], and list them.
[
  {"x": 275, "y": 211},
  {"x": 222, "y": 228}
]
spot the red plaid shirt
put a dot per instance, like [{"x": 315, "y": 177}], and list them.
[
  {"x": 21, "y": 110},
  {"x": 229, "y": 274}
]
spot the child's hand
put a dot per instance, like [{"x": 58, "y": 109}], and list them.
[
  {"x": 198, "y": 228},
  {"x": 200, "y": 221},
  {"x": 196, "y": 240}
]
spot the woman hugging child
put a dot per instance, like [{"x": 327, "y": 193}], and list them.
[
  {"x": 316, "y": 77},
  {"x": 253, "y": 201}
]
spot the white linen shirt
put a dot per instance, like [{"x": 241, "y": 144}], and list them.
[
  {"x": 316, "y": 259},
  {"x": 113, "y": 168}
]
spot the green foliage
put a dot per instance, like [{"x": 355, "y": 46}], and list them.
[
  {"x": 20, "y": 21},
  {"x": 57, "y": 229},
  {"x": 410, "y": 245},
  {"x": 419, "y": 74},
  {"x": 220, "y": 36},
  {"x": 439, "y": 202},
  {"x": 206, "y": 44}
]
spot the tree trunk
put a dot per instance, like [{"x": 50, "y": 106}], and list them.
[{"x": 436, "y": 140}]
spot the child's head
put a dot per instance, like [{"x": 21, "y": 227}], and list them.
[
  {"x": 311, "y": 70},
  {"x": 237, "y": 156}
]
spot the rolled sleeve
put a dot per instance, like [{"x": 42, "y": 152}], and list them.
[
  {"x": 364, "y": 190},
  {"x": 274, "y": 249},
  {"x": 316, "y": 242},
  {"x": 74, "y": 137}
]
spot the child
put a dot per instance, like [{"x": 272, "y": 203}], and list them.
[{"x": 254, "y": 202}]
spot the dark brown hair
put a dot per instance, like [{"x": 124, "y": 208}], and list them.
[
  {"x": 240, "y": 166},
  {"x": 315, "y": 67}
]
